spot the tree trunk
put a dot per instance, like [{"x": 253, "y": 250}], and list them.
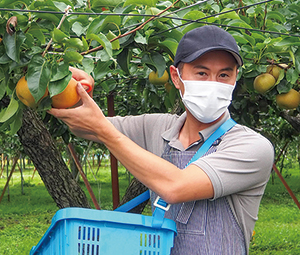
[
  {"x": 294, "y": 121},
  {"x": 134, "y": 189},
  {"x": 40, "y": 147}
]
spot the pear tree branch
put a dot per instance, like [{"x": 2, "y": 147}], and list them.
[{"x": 100, "y": 47}]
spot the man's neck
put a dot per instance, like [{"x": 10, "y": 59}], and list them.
[{"x": 189, "y": 132}]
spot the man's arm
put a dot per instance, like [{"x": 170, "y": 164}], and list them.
[{"x": 171, "y": 183}]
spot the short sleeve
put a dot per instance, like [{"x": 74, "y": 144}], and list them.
[{"x": 242, "y": 163}]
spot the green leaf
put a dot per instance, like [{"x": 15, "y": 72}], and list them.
[
  {"x": 190, "y": 27},
  {"x": 60, "y": 71},
  {"x": 10, "y": 110},
  {"x": 193, "y": 15},
  {"x": 294, "y": 8},
  {"x": 85, "y": 44},
  {"x": 292, "y": 75},
  {"x": 284, "y": 86},
  {"x": 72, "y": 56},
  {"x": 36, "y": 31},
  {"x": 7, "y": 3},
  {"x": 16, "y": 123},
  {"x": 239, "y": 38},
  {"x": 78, "y": 28},
  {"x": 110, "y": 23},
  {"x": 75, "y": 43},
  {"x": 141, "y": 2},
  {"x": 238, "y": 23},
  {"x": 155, "y": 11},
  {"x": 59, "y": 86},
  {"x": 170, "y": 46},
  {"x": 297, "y": 60},
  {"x": 155, "y": 100},
  {"x": 155, "y": 61},
  {"x": 139, "y": 38},
  {"x": 29, "y": 40},
  {"x": 123, "y": 59},
  {"x": 101, "y": 38},
  {"x": 13, "y": 44},
  {"x": 276, "y": 16},
  {"x": 4, "y": 59},
  {"x": 62, "y": 4},
  {"x": 173, "y": 94},
  {"x": 115, "y": 44},
  {"x": 101, "y": 70},
  {"x": 297, "y": 64},
  {"x": 108, "y": 85},
  {"x": 229, "y": 15},
  {"x": 105, "y": 3},
  {"x": 261, "y": 45},
  {"x": 48, "y": 16},
  {"x": 250, "y": 39},
  {"x": 94, "y": 27},
  {"x": 16, "y": 65},
  {"x": 292, "y": 56},
  {"x": 88, "y": 65},
  {"x": 58, "y": 36},
  {"x": 2, "y": 88},
  {"x": 38, "y": 76},
  {"x": 288, "y": 41}
]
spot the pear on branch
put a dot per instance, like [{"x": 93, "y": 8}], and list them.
[{"x": 264, "y": 82}]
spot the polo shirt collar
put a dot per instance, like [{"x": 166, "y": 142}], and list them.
[
  {"x": 171, "y": 135},
  {"x": 208, "y": 131}
]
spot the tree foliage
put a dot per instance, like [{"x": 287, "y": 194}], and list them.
[{"x": 120, "y": 42}]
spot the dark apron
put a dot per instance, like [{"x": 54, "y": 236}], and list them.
[{"x": 204, "y": 227}]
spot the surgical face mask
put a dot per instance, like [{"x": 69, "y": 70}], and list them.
[{"x": 206, "y": 100}]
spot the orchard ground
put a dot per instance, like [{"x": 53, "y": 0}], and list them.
[{"x": 25, "y": 218}]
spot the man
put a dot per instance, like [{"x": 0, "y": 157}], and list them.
[{"x": 214, "y": 200}]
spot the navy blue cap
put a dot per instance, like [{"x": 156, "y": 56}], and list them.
[{"x": 201, "y": 40}]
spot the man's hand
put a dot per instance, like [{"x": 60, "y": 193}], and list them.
[
  {"x": 86, "y": 120},
  {"x": 85, "y": 79}
]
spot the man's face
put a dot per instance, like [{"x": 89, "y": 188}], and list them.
[{"x": 217, "y": 66}]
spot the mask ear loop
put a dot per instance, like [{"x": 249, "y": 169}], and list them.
[
  {"x": 181, "y": 81},
  {"x": 179, "y": 74}
]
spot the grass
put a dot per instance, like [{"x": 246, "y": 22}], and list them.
[
  {"x": 25, "y": 218},
  {"x": 277, "y": 230}
]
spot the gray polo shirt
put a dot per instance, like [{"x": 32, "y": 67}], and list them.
[{"x": 239, "y": 169}]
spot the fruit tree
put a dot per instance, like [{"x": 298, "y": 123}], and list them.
[{"x": 128, "y": 46}]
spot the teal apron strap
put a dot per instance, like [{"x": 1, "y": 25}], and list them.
[
  {"x": 134, "y": 202},
  {"x": 226, "y": 126},
  {"x": 161, "y": 205}
]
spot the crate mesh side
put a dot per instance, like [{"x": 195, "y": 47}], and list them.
[
  {"x": 150, "y": 244},
  {"x": 88, "y": 240}
]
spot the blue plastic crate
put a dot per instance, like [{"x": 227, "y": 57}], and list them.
[{"x": 79, "y": 231}]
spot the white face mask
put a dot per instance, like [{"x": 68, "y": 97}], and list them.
[{"x": 206, "y": 100}]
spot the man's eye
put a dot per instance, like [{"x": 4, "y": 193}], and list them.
[
  {"x": 201, "y": 73},
  {"x": 223, "y": 75}
]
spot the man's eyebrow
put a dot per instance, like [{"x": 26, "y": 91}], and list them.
[
  {"x": 204, "y": 67},
  {"x": 201, "y": 67}
]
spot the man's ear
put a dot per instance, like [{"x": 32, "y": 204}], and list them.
[{"x": 175, "y": 77}]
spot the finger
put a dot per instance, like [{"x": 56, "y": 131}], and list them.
[
  {"x": 59, "y": 113},
  {"x": 88, "y": 87},
  {"x": 77, "y": 74},
  {"x": 83, "y": 94},
  {"x": 86, "y": 99},
  {"x": 81, "y": 76},
  {"x": 81, "y": 90}
]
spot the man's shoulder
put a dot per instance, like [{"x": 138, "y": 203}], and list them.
[{"x": 247, "y": 135}]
